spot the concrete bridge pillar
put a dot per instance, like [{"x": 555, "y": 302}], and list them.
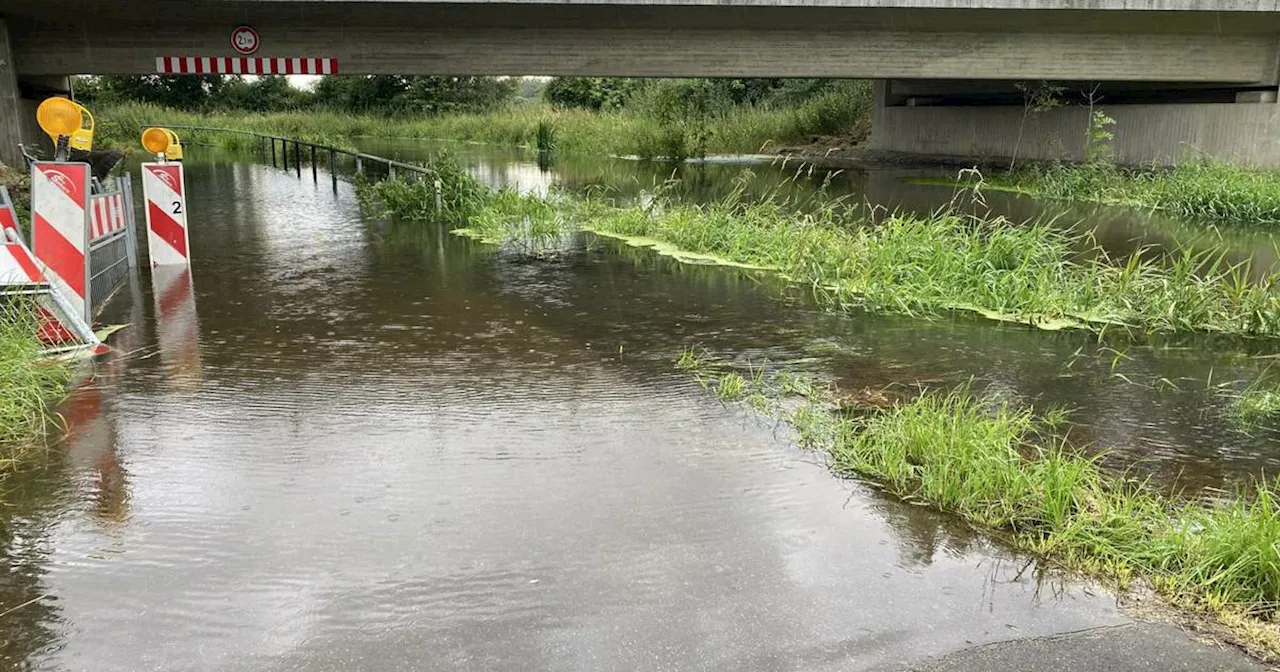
[
  {"x": 11, "y": 108},
  {"x": 19, "y": 98}
]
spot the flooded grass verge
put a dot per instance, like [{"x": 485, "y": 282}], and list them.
[
  {"x": 30, "y": 383},
  {"x": 951, "y": 260},
  {"x": 1008, "y": 470},
  {"x": 1207, "y": 191}
]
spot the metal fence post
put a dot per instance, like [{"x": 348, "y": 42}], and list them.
[
  {"x": 359, "y": 165},
  {"x": 315, "y": 179},
  {"x": 297, "y": 159},
  {"x": 391, "y": 170},
  {"x": 273, "y": 152},
  {"x": 333, "y": 169},
  {"x": 131, "y": 235},
  {"x": 284, "y": 153}
]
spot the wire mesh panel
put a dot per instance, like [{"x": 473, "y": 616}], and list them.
[
  {"x": 111, "y": 242},
  {"x": 37, "y": 308}
]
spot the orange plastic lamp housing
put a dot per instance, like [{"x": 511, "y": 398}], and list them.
[
  {"x": 155, "y": 140},
  {"x": 58, "y": 117}
]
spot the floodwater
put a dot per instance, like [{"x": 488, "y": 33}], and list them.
[{"x": 343, "y": 443}]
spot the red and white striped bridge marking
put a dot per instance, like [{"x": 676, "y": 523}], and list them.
[
  {"x": 164, "y": 189},
  {"x": 238, "y": 65},
  {"x": 59, "y": 227},
  {"x": 106, "y": 215}
]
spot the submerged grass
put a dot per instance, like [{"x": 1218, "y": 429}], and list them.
[
  {"x": 29, "y": 381},
  {"x": 1205, "y": 190},
  {"x": 1006, "y": 469},
  {"x": 950, "y": 260}
]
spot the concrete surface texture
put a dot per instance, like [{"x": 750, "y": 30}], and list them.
[
  {"x": 1093, "y": 5},
  {"x": 1179, "y": 43},
  {"x": 1248, "y": 133}
]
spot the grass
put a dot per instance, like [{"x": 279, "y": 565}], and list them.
[
  {"x": 1202, "y": 190},
  {"x": 741, "y": 129},
  {"x": 952, "y": 260},
  {"x": 30, "y": 383},
  {"x": 1007, "y": 470}
]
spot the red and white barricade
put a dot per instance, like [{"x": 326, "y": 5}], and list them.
[
  {"x": 112, "y": 251},
  {"x": 22, "y": 276},
  {"x": 60, "y": 228},
  {"x": 164, "y": 189},
  {"x": 107, "y": 215}
]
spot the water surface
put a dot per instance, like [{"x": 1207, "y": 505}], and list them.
[{"x": 349, "y": 443}]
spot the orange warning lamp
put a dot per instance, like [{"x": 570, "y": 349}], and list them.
[
  {"x": 163, "y": 143},
  {"x": 64, "y": 122}
]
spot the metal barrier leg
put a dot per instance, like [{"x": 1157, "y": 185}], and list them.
[
  {"x": 273, "y": 152},
  {"x": 284, "y": 153},
  {"x": 297, "y": 159},
  {"x": 314, "y": 177}
]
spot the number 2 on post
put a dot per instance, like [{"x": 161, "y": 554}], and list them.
[{"x": 177, "y": 207}]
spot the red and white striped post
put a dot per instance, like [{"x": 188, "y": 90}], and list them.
[
  {"x": 164, "y": 189},
  {"x": 60, "y": 229}
]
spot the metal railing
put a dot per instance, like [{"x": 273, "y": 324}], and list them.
[{"x": 265, "y": 139}]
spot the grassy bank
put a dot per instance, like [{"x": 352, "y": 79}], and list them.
[
  {"x": 742, "y": 129},
  {"x": 30, "y": 384},
  {"x": 1210, "y": 191},
  {"x": 1030, "y": 273},
  {"x": 1010, "y": 471}
]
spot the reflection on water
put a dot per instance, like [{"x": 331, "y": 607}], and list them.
[{"x": 343, "y": 444}]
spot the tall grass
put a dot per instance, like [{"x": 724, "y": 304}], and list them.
[
  {"x": 951, "y": 260},
  {"x": 29, "y": 382},
  {"x": 623, "y": 132},
  {"x": 1005, "y": 469},
  {"x": 444, "y": 193},
  {"x": 1208, "y": 190}
]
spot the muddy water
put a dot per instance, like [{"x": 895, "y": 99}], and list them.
[{"x": 352, "y": 444}]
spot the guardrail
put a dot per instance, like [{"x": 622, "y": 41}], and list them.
[{"x": 313, "y": 149}]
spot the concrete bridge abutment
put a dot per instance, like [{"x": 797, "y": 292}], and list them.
[{"x": 1153, "y": 125}]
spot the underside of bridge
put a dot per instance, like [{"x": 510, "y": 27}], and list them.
[{"x": 948, "y": 69}]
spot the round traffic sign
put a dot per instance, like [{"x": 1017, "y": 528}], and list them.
[{"x": 244, "y": 39}]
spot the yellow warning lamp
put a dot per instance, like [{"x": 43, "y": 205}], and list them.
[
  {"x": 163, "y": 143},
  {"x": 68, "y": 124},
  {"x": 174, "y": 153}
]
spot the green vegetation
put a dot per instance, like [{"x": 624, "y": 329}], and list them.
[
  {"x": 30, "y": 382},
  {"x": 952, "y": 260},
  {"x": 1205, "y": 190},
  {"x": 445, "y": 193},
  {"x": 665, "y": 121},
  {"x": 1007, "y": 470}
]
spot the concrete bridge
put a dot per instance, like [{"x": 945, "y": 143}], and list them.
[{"x": 948, "y": 66}]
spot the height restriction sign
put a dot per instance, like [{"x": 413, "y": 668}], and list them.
[{"x": 244, "y": 40}]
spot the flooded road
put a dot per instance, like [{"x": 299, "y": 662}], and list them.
[{"x": 348, "y": 444}]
